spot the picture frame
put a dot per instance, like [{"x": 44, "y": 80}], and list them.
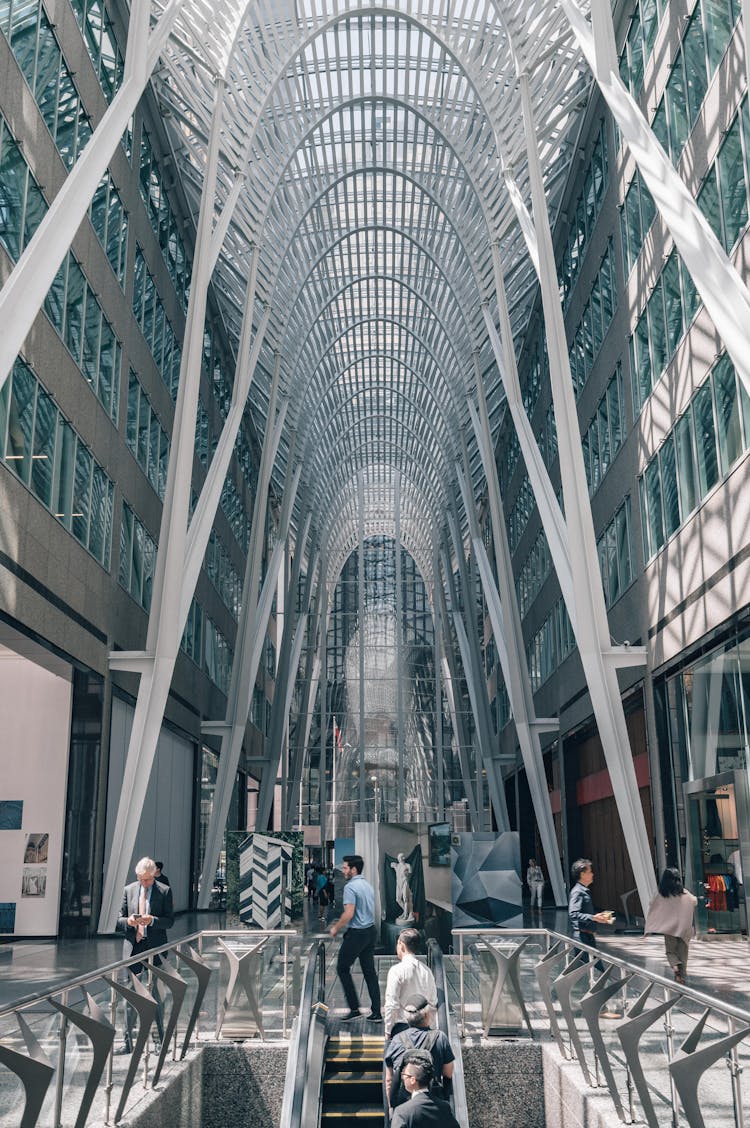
[{"x": 439, "y": 839}]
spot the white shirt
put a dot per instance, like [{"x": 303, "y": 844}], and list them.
[{"x": 407, "y": 977}]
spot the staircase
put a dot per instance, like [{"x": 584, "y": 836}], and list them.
[{"x": 353, "y": 1082}]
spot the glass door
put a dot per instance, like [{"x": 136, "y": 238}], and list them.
[{"x": 715, "y": 872}]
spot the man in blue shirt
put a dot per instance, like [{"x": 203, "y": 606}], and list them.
[{"x": 358, "y": 918}]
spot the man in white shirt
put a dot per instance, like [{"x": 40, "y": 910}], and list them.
[{"x": 408, "y": 977}]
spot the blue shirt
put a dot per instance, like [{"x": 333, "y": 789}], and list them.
[{"x": 361, "y": 894}]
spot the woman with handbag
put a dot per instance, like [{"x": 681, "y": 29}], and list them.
[{"x": 670, "y": 914}]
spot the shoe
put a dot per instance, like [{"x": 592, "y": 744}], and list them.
[
  {"x": 351, "y": 1015},
  {"x": 125, "y": 1049},
  {"x": 375, "y": 1018},
  {"x": 609, "y": 1014}
]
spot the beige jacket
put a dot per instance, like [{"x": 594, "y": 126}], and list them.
[{"x": 672, "y": 916}]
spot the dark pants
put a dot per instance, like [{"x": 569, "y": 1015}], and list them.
[
  {"x": 359, "y": 944},
  {"x": 590, "y": 939}
]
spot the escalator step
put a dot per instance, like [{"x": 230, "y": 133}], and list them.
[{"x": 362, "y": 1113}]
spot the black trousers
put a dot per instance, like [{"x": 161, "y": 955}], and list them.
[{"x": 359, "y": 944}]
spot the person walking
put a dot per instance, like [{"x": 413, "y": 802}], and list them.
[
  {"x": 358, "y": 918},
  {"x": 424, "y": 1108},
  {"x": 535, "y": 882},
  {"x": 582, "y": 915},
  {"x": 407, "y": 977},
  {"x": 321, "y": 889},
  {"x": 670, "y": 914}
]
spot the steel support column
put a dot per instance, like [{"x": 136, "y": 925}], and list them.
[
  {"x": 469, "y": 647},
  {"x": 452, "y": 685},
  {"x": 438, "y": 737},
  {"x": 361, "y": 620},
  {"x": 285, "y": 673},
  {"x": 165, "y": 626},
  {"x": 599, "y": 658},
  {"x": 298, "y": 750},
  {"x": 506, "y": 625},
  {"x": 399, "y": 653}
]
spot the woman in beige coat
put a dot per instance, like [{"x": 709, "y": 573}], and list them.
[{"x": 671, "y": 915}]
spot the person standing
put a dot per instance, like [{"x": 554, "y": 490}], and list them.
[
  {"x": 535, "y": 882},
  {"x": 321, "y": 888},
  {"x": 416, "y": 1036},
  {"x": 145, "y": 915},
  {"x": 582, "y": 915},
  {"x": 310, "y": 878},
  {"x": 424, "y": 1109},
  {"x": 358, "y": 918},
  {"x": 671, "y": 915},
  {"x": 161, "y": 877},
  {"x": 407, "y": 977}
]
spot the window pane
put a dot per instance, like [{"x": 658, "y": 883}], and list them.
[
  {"x": 20, "y": 421},
  {"x": 43, "y": 453},
  {"x": 677, "y": 110},
  {"x": 132, "y": 422},
  {"x": 12, "y": 191},
  {"x": 74, "y": 309},
  {"x": 705, "y": 439},
  {"x": 695, "y": 64},
  {"x": 708, "y": 202},
  {"x": 657, "y": 331},
  {"x": 126, "y": 547},
  {"x": 93, "y": 322},
  {"x": 98, "y": 528},
  {"x": 144, "y": 419},
  {"x": 685, "y": 464},
  {"x": 62, "y": 499},
  {"x": 82, "y": 494},
  {"x": 718, "y": 20},
  {"x": 727, "y": 413},
  {"x": 672, "y": 303},
  {"x": 732, "y": 181},
  {"x": 669, "y": 486},
  {"x": 622, "y": 534},
  {"x": 653, "y": 503}
]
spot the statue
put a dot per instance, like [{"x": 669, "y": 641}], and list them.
[{"x": 403, "y": 891}]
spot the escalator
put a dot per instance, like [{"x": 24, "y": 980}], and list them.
[
  {"x": 353, "y": 1081},
  {"x": 334, "y": 1077}
]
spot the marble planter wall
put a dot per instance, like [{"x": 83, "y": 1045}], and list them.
[{"x": 504, "y": 1084}]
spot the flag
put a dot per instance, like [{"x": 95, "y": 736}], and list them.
[{"x": 337, "y": 736}]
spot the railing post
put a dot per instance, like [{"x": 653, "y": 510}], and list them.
[
  {"x": 461, "y": 982},
  {"x": 60, "y": 1080},
  {"x": 109, "y": 1082},
  {"x": 733, "y": 1063},
  {"x": 669, "y": 1033},
  {"x": 286, "y": 984}
]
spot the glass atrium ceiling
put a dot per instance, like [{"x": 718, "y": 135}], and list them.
[{"x": 370, "y": 145}]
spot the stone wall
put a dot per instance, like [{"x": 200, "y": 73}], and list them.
[{"x": 504, "y": 1084}]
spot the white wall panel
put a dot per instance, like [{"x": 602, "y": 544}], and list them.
[{"x": 165, "y": 828}]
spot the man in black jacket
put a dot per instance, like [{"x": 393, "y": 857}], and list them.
[
  {"x": 582, "y": 915},
  {"x": 423, "y": 1110}
]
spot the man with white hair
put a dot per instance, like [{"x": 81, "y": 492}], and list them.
[
  {"x": 145, "y": 915},
  {"x": 146, "y": 911}
]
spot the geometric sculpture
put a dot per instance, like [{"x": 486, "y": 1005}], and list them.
[
  {"x": 266, "y": 881},
  {"x": 485, "y": 886}
]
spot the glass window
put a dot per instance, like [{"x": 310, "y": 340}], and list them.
[
  {"x": 74, "y": 303},
  {"x": 62, "y": 499},
  {"x": 12, "y": 194},
  {"x": 126, "y": 546},
  {"x": 99, "y": 510},
  {"x": 43, "y": 453},
  {"x": 718, "y": 18},
  {"x": 732, "y": 182},
  {"x": 635, "y": 50},
  {"x": 727, "y": 413},
  {"x": 654, "y": 506},
  {"x": 82, "y": 493},
  {"x": 694, "y": 52},
  {"x": 676, "y": 98},
  {"x": 705, "y": 439},
  {"x": 686, "y": 464},
  {"x": 622, "y": 536},
  {"x": 672, "y": 303},
  {"x": 669, "y": 486},
  {"x": 657, "y": 331},
  {"x": 708, "y": 202},
  {"x": 20, "y": 421}
]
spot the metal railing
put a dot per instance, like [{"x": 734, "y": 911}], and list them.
[
  {"x": 666, "y": 1053},
  {"x": 58, "y": 1047}
]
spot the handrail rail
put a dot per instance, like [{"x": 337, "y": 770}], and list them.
[
  {"x": 315, "y": 966},
  {"x": 599, "y": 953},
  {"x": 142, "y": 957},
  {"x": 458, "y": 1089}
]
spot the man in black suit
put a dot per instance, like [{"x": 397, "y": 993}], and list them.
[
  {"x": 145, "y": 915},
  {"x": 423, "y": 1109},
  {"x": 146, "y": 911}
]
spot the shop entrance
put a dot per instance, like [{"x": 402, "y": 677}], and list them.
[{"x": 717, "y": 823}]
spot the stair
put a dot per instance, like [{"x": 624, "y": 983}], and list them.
[{"x": 353, "y": 1081}]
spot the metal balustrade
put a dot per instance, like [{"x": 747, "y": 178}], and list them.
[
  {"x": 665, "y": 1053},
  {"x": 62, "y": 1052}
]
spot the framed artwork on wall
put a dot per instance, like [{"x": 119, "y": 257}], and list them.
[{"x": 439, "y": 837}]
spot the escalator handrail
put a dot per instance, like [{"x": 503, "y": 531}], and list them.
[
  {"x": 457, "y": 1097},
  {"x": 315, "y": 970}
]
